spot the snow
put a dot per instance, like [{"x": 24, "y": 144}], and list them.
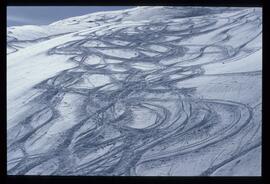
[
  {"x": 146, "y": 91},
  {"x": 125, "y": 53},
  {"x": 93, "y": 60},
  {"x": 145, "y": 118},
  {"x": 144, "y": 66},
  {"x": 250, "y": 63}
]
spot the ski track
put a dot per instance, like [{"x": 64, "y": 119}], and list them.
[{"x": 109, "y": 99}]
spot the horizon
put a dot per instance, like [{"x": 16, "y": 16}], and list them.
[{"x": 43, "y": 15}]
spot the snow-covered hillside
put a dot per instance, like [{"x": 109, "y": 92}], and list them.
[{"x": 147, "y": 91}]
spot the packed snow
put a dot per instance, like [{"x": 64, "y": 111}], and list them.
[{"x": 147, "y": 91}]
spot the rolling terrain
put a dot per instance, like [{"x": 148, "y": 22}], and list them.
[{"x": 148, "y": 91}]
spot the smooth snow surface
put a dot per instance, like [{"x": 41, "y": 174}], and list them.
[{"x": 147, "y": 91}]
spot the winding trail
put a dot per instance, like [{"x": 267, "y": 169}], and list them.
[{"x": 121, "y": 107}]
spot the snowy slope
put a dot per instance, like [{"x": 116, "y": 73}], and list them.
[
  {"x": 143, "y": 91},
  {"x": 21, "y": 36}
]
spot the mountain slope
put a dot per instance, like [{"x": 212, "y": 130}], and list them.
[{"x": 144, "y": 91}]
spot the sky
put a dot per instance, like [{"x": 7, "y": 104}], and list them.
[{"x": 42, "y": 15}]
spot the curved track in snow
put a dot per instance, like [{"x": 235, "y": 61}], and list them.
[{"x": 123, "y": 104}]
